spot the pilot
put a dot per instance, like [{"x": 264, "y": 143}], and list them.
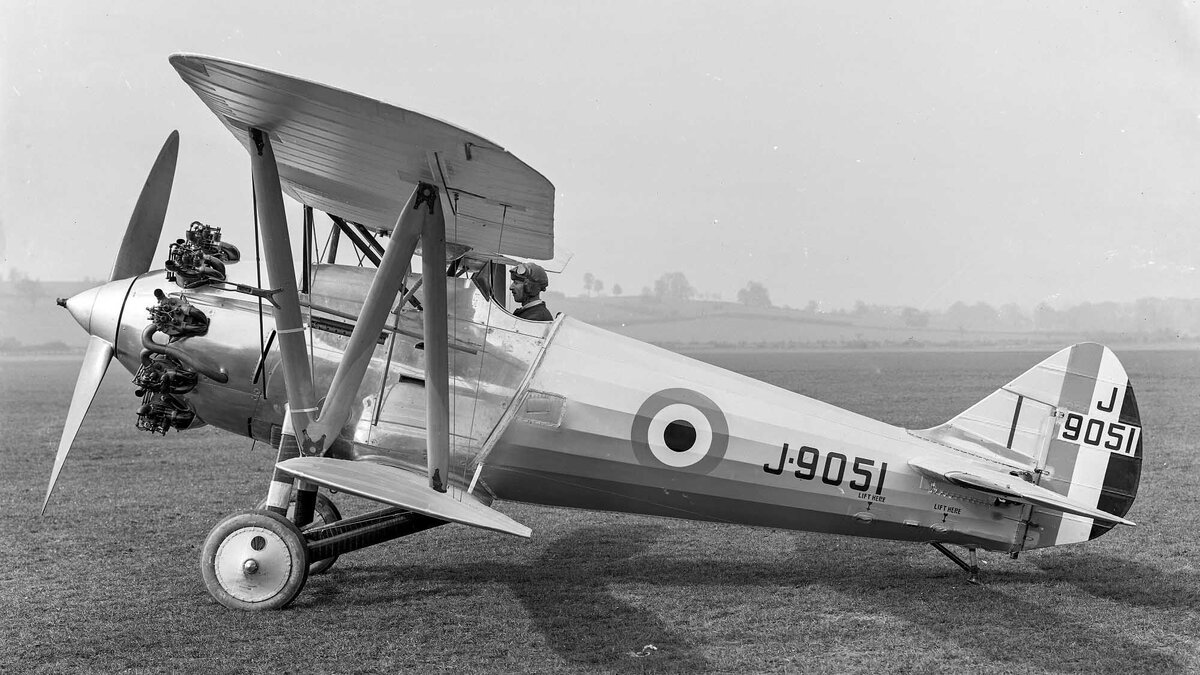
[{"x": 528, "y": 282}]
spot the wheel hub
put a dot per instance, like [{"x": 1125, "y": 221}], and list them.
[{"x": 253, "y": 564}]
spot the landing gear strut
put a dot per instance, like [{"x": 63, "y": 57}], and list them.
[
  {"x": 971, "y": 568},
  {"x": 324, "y": 513}
]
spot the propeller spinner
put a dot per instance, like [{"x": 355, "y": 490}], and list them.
[{"x": 98, "y": 310}]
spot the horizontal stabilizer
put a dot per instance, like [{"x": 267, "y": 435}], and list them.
[
  {"x": 1013, "y": 488},
  {"x": 382, "y": 483}
]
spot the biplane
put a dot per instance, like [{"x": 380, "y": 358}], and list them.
[{"x": 395, "y": 372}]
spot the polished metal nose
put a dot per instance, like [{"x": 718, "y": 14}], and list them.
[{"x": 98, "y": 310}]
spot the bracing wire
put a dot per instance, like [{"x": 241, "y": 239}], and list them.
[
  {"x": 328, "y": 242},
  {"x": 488, "y": 316}
]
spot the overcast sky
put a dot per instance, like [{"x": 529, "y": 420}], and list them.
[{"x": 902, "y": 153}]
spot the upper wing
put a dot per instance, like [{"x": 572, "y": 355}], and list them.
[
  {"x": 360, "y": 159},
  {"x": 972, "y": 475}
]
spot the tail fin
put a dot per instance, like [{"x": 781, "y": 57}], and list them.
[{"x": 1073, "y": 420}]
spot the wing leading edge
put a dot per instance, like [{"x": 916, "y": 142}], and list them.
[
  {"x": 359, "y": 158},
  {"x": 1008, "y": 486}
]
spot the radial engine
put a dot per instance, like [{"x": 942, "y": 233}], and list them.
[{"x": 167, "y": 372}]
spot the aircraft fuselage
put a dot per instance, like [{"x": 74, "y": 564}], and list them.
[{"x": 567, "y": 414}]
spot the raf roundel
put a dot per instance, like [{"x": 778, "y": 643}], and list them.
[{"x": 680, "y": 429}]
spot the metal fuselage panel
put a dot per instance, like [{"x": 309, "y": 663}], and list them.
[{"x": 755, "y": 454}]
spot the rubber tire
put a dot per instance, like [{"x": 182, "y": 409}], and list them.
[
  {"x": 296, "y": 552},
  {"x": 328, "y": 512}
]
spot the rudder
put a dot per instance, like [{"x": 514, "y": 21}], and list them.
[{"x": 1095, "y": 454}]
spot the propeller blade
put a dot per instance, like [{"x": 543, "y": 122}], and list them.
[
  {"x": 95, "y": 363},
  {"x": 146, "y": 223}
]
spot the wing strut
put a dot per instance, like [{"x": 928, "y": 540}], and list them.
[
  {"x": 289, "y": 323},
  {"x": 437, "y": 343},
  {"x": 306, "y": 433}
]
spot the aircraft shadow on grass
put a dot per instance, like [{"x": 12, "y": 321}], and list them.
[
  {"x": 567, "y": 593},
  {"x": 1123, "y": 581}
]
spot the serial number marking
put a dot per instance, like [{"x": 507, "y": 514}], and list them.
[
  {"x": 948, "y": 509},
  {"x": 833, "y": 472},
  {"x": 1098, "y": 433}
]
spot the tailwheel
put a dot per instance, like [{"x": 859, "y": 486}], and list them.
[
  {"x": 254, "y": 560},
  {"x": 324, "y": 513}
]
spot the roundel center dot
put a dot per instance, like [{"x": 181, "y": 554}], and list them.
[{"x": 680, "y": 435}]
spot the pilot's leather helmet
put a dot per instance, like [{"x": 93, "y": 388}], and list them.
[{"x": 531, "y": 272}]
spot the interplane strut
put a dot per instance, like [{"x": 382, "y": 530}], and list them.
[{"x": 305, "y": 431}]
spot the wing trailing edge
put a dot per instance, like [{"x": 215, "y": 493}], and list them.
[{"x": 1006, "y": 485}]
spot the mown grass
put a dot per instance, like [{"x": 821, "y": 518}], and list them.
[{"x": 108, "y": 580}]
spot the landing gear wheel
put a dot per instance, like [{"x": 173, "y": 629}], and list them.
[
  {"x": 254, "y": 560},
  {"x": 324, "y": 513}
]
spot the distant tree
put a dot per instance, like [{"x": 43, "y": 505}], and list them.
[
  {"x": 958, "y": 315},
  {"x": 673, "y": 286},
  {"x": 1147, "y": 313},
  {"x": 30, "y": 289},
  {"x": 984, "y": 315},
  {"x": 754, "y": 295},
  {"x": 616, "y": 289},
  {"x": 914, "y": 318},
  {"x": 860, "y": 308},
  {"x": 598, "y": 286},
  {"x": 812, "y": 307},
  {"x": 1045, "y": 317},
  {"x": 588, "y": 282},
  {"x": 1012, "y": 318}
]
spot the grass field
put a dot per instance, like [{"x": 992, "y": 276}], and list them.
[{"x": 108, "y": 581}]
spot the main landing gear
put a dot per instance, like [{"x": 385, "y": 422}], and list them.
[{"x": 260, "y": 560}]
